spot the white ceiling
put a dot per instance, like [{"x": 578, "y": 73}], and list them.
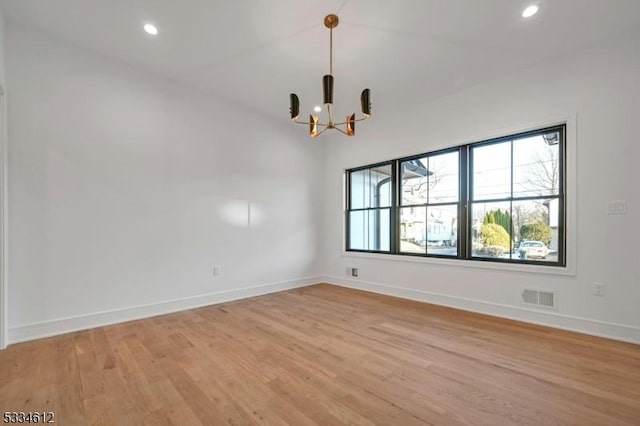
[{"x": 256, "y": 52}]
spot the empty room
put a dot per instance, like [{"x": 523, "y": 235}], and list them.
[{"x": 328, "y": 212}]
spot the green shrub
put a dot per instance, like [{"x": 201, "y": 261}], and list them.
[
  {"x": 493, "y": 234},
  {"x": 536, "y": 231},
  {"x": 498, "y": 217},
  {"x": 491, "y": 251}
]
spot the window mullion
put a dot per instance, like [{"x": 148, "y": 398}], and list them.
[
  {"x": 396, "y": 190},
  {"x": 463, "y": 209}
]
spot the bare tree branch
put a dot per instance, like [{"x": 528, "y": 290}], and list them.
[{"x": 544, "y": 172}]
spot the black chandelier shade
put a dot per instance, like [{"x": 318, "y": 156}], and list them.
[
  {"x": 365, "y": 102},
  {"x": 327, "y": 90},
  {"x": 295, "y": 106}
]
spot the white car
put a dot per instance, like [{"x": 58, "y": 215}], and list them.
[{"x": 533, "y": 250}]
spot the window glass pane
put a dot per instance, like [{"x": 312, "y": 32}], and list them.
[
  {"x": 492, "y": 171},
  {"x": 535, "y": 225},
  {"x": 415, "y": 181},
  {"x": 371, "y": 187},
  {"x": 491, "y": 230},
  {"x": 357, "y": 231},
  {"x": 413, "y": 229},
  {"x": 443, "y": 183},
  {"x": 370, "y": 230},
  {"x": 383, "y": 217},
  {"x": 430, "y": 179},
  {"x": 536, "y": 165},
  {"x": 442, "y": 230}
]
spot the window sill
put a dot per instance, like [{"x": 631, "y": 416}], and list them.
[{"x": 459, "y": 263}]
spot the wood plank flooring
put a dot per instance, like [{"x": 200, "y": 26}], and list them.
[{"x": 324, "y": 355}]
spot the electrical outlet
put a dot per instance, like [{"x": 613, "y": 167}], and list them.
[
  {"x": 216, "y": 270},
  {"x": 598, "y": 289},
  {"x": 351, "y": 271}
]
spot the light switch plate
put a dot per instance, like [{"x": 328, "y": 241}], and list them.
[{"x": 617, "y": 207}]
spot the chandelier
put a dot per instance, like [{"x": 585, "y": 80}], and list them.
[{"x": 315, "y": 126}]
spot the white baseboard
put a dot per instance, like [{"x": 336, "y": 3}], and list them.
[
  {"x": 23, "y": 333},
  {"x": 609, "y": 330}
]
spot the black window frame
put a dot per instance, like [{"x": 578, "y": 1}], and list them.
[
  {"x": 391, "y": 208},
  {"x": 428, "y": 204},
  {"x": 465, "y": 200}
]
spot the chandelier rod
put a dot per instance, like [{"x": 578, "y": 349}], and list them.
[
  {"x": 331, "y": 50},
  {"x": 329, "y": 112}
]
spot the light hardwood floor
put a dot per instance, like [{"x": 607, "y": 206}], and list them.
[{"x": 324, "y": 355}]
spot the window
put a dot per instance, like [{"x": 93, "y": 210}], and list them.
[
  {"x": 370, "y": 203},
  {"x": 429, "y": 204},
  {"x": 501, "y": 200}
]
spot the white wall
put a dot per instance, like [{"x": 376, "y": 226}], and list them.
[
  {"x": 3, "y": 192},
  {"x": 598, "y": 91},
  {"x": 2, "y": 70},
  {"x": 126, "y": 190}
]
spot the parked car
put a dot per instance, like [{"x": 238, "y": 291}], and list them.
[{"x": 533, "y": 250}]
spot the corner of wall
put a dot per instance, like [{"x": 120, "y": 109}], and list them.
[{"x": 3, "y": 195}]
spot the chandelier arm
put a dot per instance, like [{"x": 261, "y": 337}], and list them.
[
  {"x": 317, "y": 124},
  {"x": 341, "y": 131},
  {"x": 357, "y": 119},
  {"x": 295, "y": 120},
  {"x": 308, "y": 122}
]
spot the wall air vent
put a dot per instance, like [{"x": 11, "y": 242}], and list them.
[{"x": 540, "y": 298}]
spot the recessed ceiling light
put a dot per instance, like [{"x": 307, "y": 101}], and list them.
[
  {"x": 530, "y": 11},
  {"x": 151, "y": 29},
  {"x": 318, "y": 108}
]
